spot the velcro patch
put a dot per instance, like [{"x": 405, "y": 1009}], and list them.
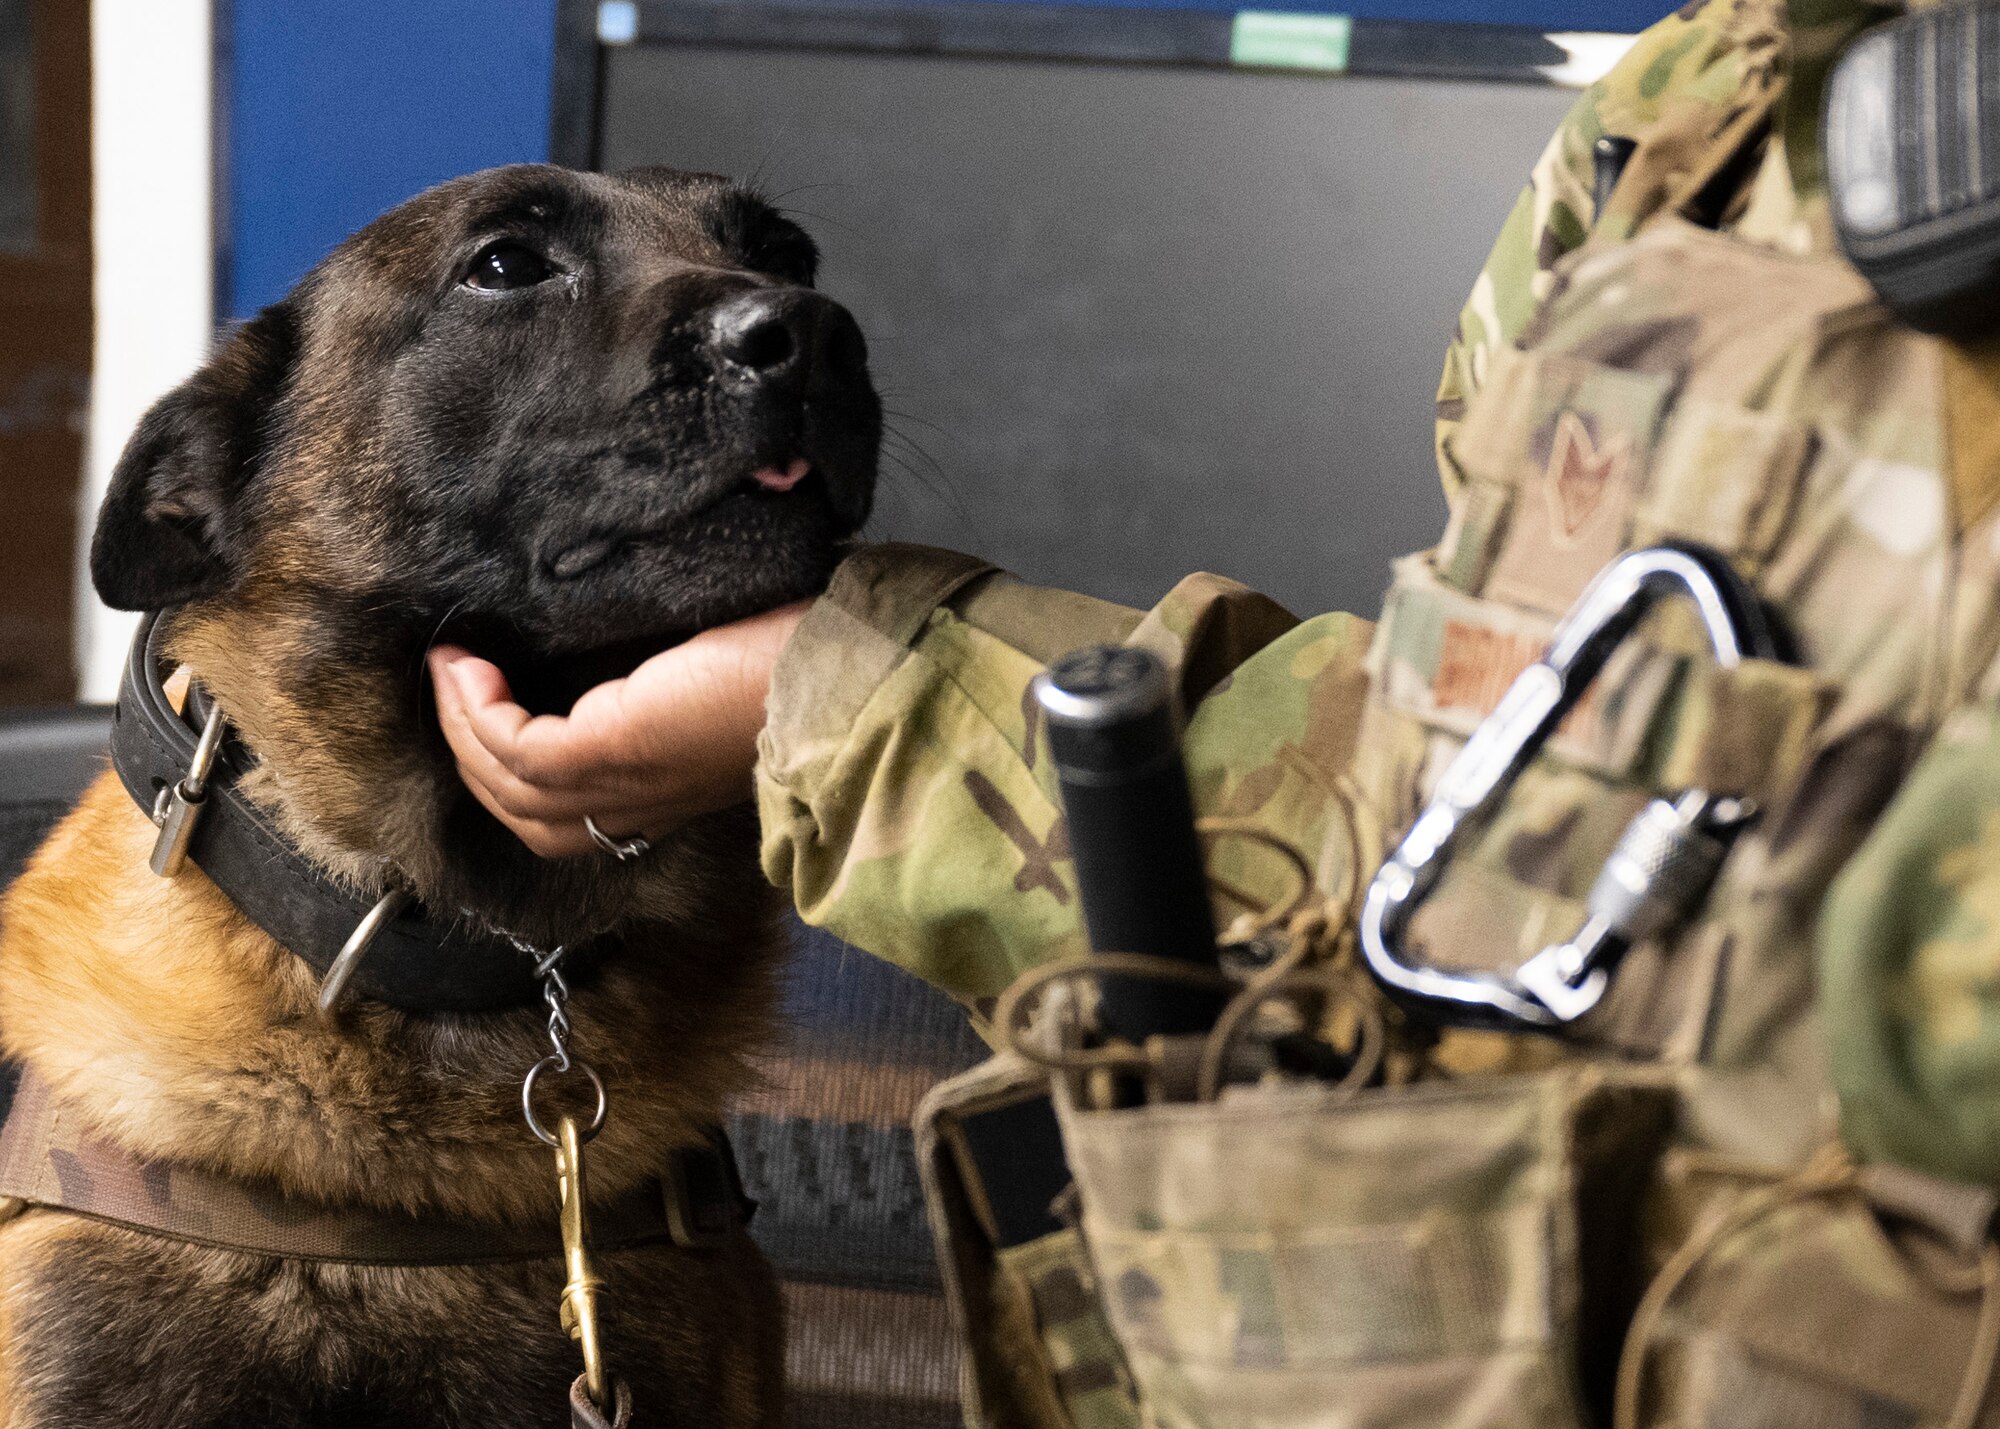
[{"x": 1445, "y": 659}]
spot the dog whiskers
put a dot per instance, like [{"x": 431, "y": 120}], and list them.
[{"x": 424, "y": 656}]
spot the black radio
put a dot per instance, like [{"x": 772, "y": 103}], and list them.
[{"x": 1912, "y": 146}]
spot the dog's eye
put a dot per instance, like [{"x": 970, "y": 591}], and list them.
[{"x": 507, "y": 264}]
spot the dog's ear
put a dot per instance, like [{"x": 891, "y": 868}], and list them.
[{"x": 168, "y": 531}]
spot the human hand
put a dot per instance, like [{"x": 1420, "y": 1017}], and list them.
[{"x": 674, "y": 739}]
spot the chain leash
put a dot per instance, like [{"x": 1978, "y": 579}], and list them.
[{"x": 582, "y": 1286}]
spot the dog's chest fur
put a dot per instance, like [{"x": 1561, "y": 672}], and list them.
[{"x": 180, "y": 1031}]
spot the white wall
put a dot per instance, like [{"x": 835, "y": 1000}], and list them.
[{"x": 152, "y": 63}]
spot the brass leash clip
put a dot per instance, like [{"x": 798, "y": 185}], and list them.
[
  {"x": 1664, "y": 863},
  {"x": 581, "y": 1286},
  {"x": 580, "y": 1290}
]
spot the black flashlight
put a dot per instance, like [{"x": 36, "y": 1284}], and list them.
[{"x": 1139, "y": 869}]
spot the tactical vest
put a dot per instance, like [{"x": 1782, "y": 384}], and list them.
[{"x": 1698, "y": 1206}]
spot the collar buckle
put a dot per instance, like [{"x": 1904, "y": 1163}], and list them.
[
  {"x": 399, "y": 954},
  {"x": 178, "y": 809}
]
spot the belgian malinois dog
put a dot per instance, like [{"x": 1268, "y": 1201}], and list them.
[{"x": 559, "y": 418}]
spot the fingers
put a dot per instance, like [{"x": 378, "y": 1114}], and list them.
[
  {"x": 545, "y": 837},
  {"x": 565, "y": 769},
  {"x": 495, "y": 725},
  {"x": 481, "y": 723},
  {"x": 676, "y": 738},
  {"x": 562, "y": 836}
]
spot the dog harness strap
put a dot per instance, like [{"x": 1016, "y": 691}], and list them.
[
  {"x": 414, "y": 961},
  {"x": 50, "y": 1159}
]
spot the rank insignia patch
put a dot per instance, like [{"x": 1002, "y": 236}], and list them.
[
  {"x": 1578, "y": 473},
  {"x": 1558, "y": 539}
]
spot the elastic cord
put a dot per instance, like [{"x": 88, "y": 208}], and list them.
[
  {"x": 1830, "y": 1172},
  {"x": 1308, "y": 923}
]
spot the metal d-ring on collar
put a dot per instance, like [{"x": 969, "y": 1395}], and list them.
[
  {"x": 333, "y": 985},
  {"x": 1663, "y": 864},
  {"x": 177, "y": 813}
]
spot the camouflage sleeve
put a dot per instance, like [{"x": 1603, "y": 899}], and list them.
[
  {"x": 1706, "y": 56},
  {"x": 904, "y": 785}
]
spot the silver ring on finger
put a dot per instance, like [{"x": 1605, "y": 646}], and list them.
[{"x": 624, "y": 850}]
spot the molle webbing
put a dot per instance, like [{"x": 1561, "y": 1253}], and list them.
[
  {"x": 49, "y": 1159},
  {"x": 1972, "y": 425},
  {"x": 1665, "y": 719}
]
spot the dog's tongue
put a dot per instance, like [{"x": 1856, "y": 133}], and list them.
[{"x": 773, "y": 479}]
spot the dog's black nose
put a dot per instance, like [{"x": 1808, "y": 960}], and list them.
[
  {"x": 761, "y": 331},
  {"x": 774, "y": 333}
]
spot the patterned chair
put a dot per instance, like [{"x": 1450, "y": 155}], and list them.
[{"x": 827, "y": 1152}]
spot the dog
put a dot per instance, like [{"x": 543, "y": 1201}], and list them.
[{"x": 537, "y": 413}]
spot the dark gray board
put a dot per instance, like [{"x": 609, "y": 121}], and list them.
[
  {"x": 19, "y": 188},
  {"x": 1145, "y": 320}
]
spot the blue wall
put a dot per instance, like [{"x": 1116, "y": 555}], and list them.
[{"x": 338, "y": 109}]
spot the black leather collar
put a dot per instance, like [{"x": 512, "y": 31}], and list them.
[{"x": 417, "y": 961}]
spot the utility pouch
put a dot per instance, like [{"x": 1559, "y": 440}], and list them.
[
  {"x": 1907, "y": 944},
  {"x": 1040, "y": 1355},
  {"x": 1834, "y": 1297},
  {"x": 1286, "y": 1256}
]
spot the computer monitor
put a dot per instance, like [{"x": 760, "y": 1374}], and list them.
[{"x": 1132, "y": 319}]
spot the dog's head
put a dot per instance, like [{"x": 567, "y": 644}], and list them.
[{"x": 565, "y": 419}]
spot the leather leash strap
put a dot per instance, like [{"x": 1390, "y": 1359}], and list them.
[
  {"x": 51, "y": 1160},
  {"x": 417, "y": 962},
  {"x": 585, "y": 1415}
]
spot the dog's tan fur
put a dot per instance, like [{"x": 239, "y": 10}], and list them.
[
  {"x": 183, "y": 1031},
  {"x": 174, "y": 1026},
  {"x": 168, "y": 1023}
]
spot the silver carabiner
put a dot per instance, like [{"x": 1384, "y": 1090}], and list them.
[{"x": 1668, "y": 855}]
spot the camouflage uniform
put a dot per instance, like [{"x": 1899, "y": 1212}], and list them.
[{"x": 1755, "y": 1186}]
